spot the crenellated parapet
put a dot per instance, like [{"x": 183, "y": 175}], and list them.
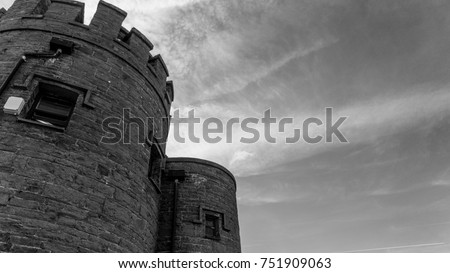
[{"x": 66, "y": 17}]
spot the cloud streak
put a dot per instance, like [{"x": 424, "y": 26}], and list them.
[{"x": 384, "y": 64}]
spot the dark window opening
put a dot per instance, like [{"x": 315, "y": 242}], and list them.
[
  {"x": 212, "y": 227},
  {"x": 154, "y": 166},
  {"x": 53, "y": 106}
]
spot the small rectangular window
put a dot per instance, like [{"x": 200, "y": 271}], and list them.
[
  {"x": 52, "y": 106},
  {"x": 212, "y": 227},
  {"x": 53, "y": 110}
]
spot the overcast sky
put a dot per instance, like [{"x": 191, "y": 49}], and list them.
[{"x": 384, "y": 64}]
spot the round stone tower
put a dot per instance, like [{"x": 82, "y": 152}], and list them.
[
  {"x": 83, "y": 126},
  {"x": 198, "y": 208}
]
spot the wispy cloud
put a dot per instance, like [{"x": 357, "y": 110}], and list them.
[
  {"x": 393, "y": 248},
  {"x": 381, "y": 63},
  {"x": 367, "y": 121}
]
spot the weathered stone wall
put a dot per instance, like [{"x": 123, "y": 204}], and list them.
[
  {"x": 67, "y": 192},
  {"x": 206, "y": 188}
]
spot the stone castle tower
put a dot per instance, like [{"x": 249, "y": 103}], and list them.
[{"x": 64, "y": 190}]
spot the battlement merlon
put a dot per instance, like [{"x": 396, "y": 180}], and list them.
[
  {"x": 159, "y": 66},
  {"x": 22, "y": 8},
  {"x": 2, "y": 12},
  {"x": 108, "y": 19},
  {"x": 137, "y": 42},
  {"x": 66, "y": 10}
]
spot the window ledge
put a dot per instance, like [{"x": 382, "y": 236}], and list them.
[
  {"x": 33, "y": 16},
  {"x": 57, "y": 128},
  {"x": 213, "y": 238}
]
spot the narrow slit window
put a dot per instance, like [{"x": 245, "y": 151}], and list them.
[{"x": 154, "y": 166}]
